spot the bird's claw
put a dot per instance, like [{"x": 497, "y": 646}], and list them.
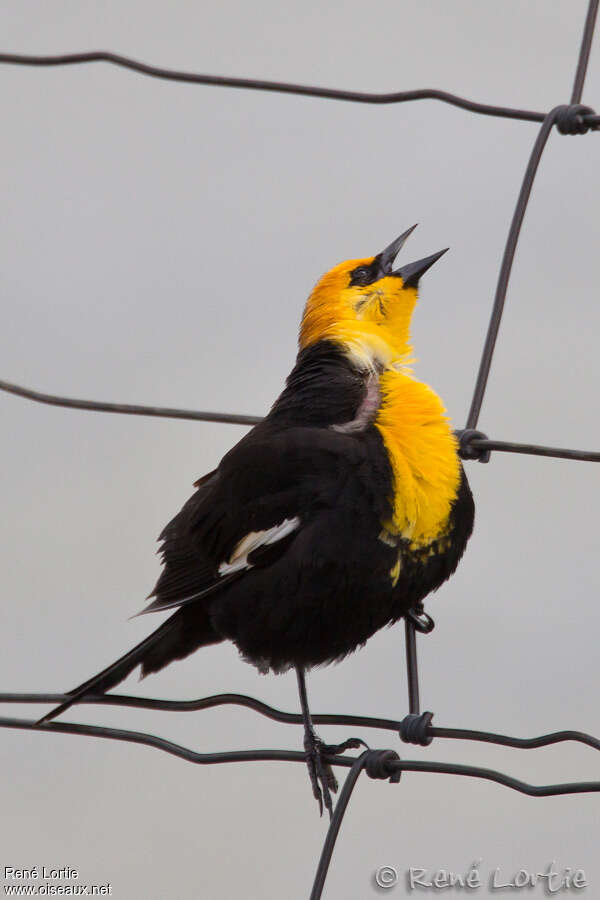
[
  {"x": 348, "y": 744},
  {"x": 322, "y": 778}
]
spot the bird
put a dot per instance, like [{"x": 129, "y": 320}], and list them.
[{"x": 334, "y": 516}]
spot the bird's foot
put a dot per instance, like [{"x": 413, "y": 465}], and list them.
[{"x": 323, "y": 781}]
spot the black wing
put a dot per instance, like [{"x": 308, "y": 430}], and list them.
[{"x": 248, "y": 511}]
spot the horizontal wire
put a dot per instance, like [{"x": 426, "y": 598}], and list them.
[
  {"x": 258, "y": 706},
  {"x": 505, "y": 740},
  {"x": 484, "y": 109},
  {"x": 281, "y": 87},
  {"x": 151, "y": 740},
  {"x": 233, "y": 756},
  {"x": 167, "y": 412},
  {"x": 523, "y": 787},
  {"x": 535, "y": 450},
  {"x": 279, "y": 715}
]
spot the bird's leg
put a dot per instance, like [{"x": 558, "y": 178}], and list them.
[
  {"x": 321, "y": 775},
  {"x": 323, "y": 781}
]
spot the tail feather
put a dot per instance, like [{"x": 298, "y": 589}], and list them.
[{"x": 183, "y": 633}]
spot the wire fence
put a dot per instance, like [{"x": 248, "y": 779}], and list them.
[{"x": 416, "y": 727}]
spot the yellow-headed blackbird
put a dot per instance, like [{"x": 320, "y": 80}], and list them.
[{"x": 331, "y": 518}]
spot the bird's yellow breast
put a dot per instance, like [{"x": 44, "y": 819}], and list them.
[{"x": 422, "y": 450}]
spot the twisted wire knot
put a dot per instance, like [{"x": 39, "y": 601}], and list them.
[
  {"x": 379, "y": 764},
  {"x": 414, "y": 729},
  {"x": 466, "y": 450},
  {"x": 572, "y": 119}
]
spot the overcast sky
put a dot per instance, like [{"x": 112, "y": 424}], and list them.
[{"x": 157, "y": 243}]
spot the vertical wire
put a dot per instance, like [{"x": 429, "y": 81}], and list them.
[
  {"x": 584, "y": 53},
  {"x": 335, "y": 825},
  {"x": 517, "y": 221},
  {"x": 505, "y": 268},
  {"x": 412, "y": 668}
]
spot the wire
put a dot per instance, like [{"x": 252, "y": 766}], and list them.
[
  {"x": 536, "y": 450},
  {"x": 479, "y": 444},
  {"x": 584, "y": 52},
  {"x": 272, "y": 86},
  {"x": 128, "y": 409},
  {"x": 519, "y": 213},
  {"x": 235, "y": 756},
  {"x": 278, "y": 715},
  {"x": 505, "y": 268},
  {"x": 336, "y": 822}
]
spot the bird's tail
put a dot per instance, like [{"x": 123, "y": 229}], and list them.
[{"x": 180, "y": 635}]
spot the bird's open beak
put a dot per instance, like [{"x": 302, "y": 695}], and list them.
[{"x": 411, "y": 273}]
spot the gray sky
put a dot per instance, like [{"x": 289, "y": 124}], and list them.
[{"x": 157, "y": 245}]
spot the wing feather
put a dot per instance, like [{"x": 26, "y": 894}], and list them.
[{"x": 247, "y": 512}]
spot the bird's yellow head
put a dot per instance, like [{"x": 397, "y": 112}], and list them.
[{"x": 367, "y": 306}]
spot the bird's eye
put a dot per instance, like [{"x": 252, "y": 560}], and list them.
[{"x": 361, "y": 275}]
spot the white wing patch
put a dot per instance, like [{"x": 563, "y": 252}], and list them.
[{"x": 255, "y": 539}]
